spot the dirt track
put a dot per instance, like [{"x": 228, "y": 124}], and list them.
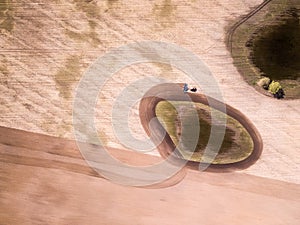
[
  {"x": 243, "y": 20},
  {"x": 172, "y": 92},
  {"x": 44, "y": 180},
  {"x": 42, "y": 151},
  {"x": 52, "y": 44}
]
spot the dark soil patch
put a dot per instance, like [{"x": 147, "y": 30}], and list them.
[
  {"x": 267, "y": 44},
  {"x": 275, "y": 50}
]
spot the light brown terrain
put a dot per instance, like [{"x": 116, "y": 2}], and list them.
[
  {"x": 44, "y": 180},
  {"x": 51, "y": 45}
]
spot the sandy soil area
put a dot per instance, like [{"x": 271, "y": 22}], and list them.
[
  {"x": 44, "y": 180},
  {"x": 53, "y": 43}
]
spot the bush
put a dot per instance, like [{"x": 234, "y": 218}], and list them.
[
  {"x": 274, "y": 87},
  {"x": 264, "y": 83}
]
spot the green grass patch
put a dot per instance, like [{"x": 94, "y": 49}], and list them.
[
  {"x": 6, "y": 16},
  {"x": 68, "y": 75},
  {"x": 165, "y": 13},
  {"x": 90, "y": 36},
  {"x": 92, "y": 13},
  {"x": 4, "y": 68},
  {"x": 90, "y": 8},
  {"x": 237, "y": 144}
]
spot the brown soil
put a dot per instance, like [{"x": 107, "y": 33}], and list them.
[{"x": 44, "y": 180}]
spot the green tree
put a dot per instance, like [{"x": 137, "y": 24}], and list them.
[{"x": 274, "y": 87}]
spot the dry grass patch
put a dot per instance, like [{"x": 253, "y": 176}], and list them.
[{"x": 237, "y": 144}]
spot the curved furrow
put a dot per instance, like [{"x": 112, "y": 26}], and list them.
[{"x": 166, "y": 147}]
